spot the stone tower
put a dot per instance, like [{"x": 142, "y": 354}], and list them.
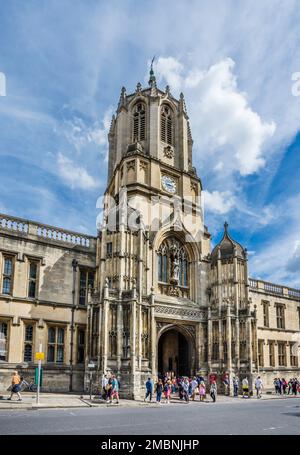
[
  {"x": 148, "y": 314},
  {"x": 232, "y": 328}
]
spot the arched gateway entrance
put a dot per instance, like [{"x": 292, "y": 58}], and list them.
[{"x": 174, "y": 353}]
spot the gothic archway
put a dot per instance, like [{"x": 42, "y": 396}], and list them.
[{"x": 175, "y": 352}]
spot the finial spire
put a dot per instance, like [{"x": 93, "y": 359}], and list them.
[
  {"x": 152, "y": 80},
  {"x": 226, "y": 227},
  {"x": 122, "y": 100}
]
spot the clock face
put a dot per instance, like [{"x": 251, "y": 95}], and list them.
[{"x": 168, "y": 184}]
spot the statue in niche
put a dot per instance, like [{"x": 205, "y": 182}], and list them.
[{"x": 174, "y": 264}]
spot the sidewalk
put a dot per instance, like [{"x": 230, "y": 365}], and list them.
[
  {"x": 56, "y": 400},
  {"x": 47, "y": 400}
]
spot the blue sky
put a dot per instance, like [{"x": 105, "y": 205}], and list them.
[{"x": 65, "y": 63}]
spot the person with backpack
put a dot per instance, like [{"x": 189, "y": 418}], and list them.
[{"x": 149, "y": 389}]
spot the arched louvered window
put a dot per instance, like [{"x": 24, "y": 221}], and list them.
[
  {"x": 139, "y": 122},
  {"x": 166, "y": 125}
]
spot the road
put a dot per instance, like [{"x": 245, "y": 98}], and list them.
[{"x": 240, "y": 417}]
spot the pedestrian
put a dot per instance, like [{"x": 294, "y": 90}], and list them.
[
  {"x": 213, "y": 390},
  {"x": 149, "y": 390},
  {"x": 15, "y": 386},
  {"x": 290, "y": 386},
  {"x": 235, "y": 382},
  {"x": 185, "y": 386},
  {"x": 108, "y": 389},
  {"x": 167, "y": 392},
  {"x": 284, "y": 386},
  {"x": 114, "y": 390},
  {"x": 258, "y": 386},
  {"x": 202, "y": 391},
  {"x": 245, "y": 387},
  {"x": 226, "y": 384},
  {"x": 104, "y": 383},
  {"x": 180, "y": 389},
  {"x": 294, "y": 386},
  {"x": 194, "y": 387},
  {"x": 279, "y": 386},
  {"x": 159, "y": 390}
]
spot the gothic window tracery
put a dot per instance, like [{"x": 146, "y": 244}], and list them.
[
  {"x": 166, "y": 125},
  {"x": 139, "y": 122}
]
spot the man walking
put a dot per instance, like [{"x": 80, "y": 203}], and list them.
[
  {"x": 259, "y": 387},
  {"x": 235, "y": 382},
  {"x": 213, "y": 391},
  {"x": 15, "y": 386},
  {"x": 149, "y": 389}
]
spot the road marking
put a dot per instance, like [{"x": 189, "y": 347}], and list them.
[{"x": 272, "y": 428}]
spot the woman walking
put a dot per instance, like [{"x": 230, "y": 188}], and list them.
[
  {"x": 167, "y": 392},
  {"x": 202, "y": 391}
]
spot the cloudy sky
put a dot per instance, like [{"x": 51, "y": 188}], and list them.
[{"x": 65, "y": 63}]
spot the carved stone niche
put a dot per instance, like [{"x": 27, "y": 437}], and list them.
[{"x": 168, "y": 152}]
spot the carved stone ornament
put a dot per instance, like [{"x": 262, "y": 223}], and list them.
[
  {"x": 131, "y": 165},
  {"x": 182, "y": 312},
  {"x": 168, "y": 152},
  {"x": 174, "y": 291},
  {"x": 194, "y": 187},
  {"x": 143, "y": 165}
]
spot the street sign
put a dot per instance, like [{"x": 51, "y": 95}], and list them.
[{"x": 39, "y": 356}]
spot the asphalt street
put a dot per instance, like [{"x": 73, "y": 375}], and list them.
[{"x": 240, "y": 417}]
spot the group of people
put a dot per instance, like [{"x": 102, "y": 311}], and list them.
[
  {"x": 110, "y": 388},
  {"x": 283, "y": 387},
  {"x": 187, "y": 389}
]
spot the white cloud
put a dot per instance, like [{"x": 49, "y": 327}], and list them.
[
  {"x": 224, "y": 122},
  {"x": 74, "y": 175},
  {"x": 293, "y": 263},
  {"x": 169, "y": 69},
  {"x": 80, "y": 134},
  {"x": 218, "y": 202},
  {"x": 278, "y": 260}
]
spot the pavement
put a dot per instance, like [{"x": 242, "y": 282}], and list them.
[
  {"x": 56, "y": 400},
  {"x": 228, "y": 416}
]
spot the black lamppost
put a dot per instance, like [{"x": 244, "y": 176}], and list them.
[{"x": 74, "y": 268}]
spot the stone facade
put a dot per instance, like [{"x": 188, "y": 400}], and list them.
[
  {"x": 37, "y": 302},
  {"x": 147, "y": 294}
]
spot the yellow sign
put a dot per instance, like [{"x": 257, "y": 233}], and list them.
[{"x": 39, "y": 356}]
